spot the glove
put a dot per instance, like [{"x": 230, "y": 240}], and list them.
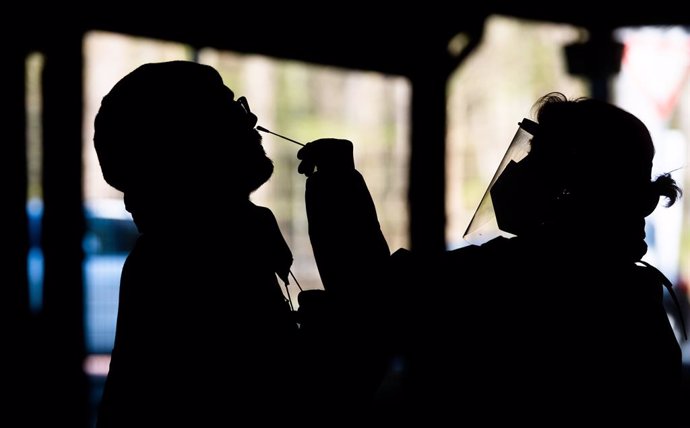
[{"x": 326, "y": 154}]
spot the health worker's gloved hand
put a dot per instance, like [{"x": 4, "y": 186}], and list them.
[{"x": 326, "y": 155}]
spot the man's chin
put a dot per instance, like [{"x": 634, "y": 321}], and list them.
[{"x": 262, "y": 174}]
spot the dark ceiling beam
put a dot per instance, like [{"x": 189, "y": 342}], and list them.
[
  {"x": 389, "y": 42},
  {"x": 347, "y": 35},
  {"x": 590, "y": 14}
]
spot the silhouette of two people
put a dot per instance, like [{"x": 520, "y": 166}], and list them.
[{"x": 559, "y": 324}]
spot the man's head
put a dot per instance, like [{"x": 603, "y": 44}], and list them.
[{"x": 175, "y": 127}]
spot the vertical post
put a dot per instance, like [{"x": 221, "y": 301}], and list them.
[
  {"x": 427, "y": 192},
  {"x": 14, "y": 294},
  {"x": 427, "y": 158},
  {"x": 15, "y": 319},
  {"x": 63, "y": 228}
]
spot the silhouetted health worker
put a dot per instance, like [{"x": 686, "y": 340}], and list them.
[
  {"x": 553, "y": 320},
  {"x": 203, "y": 329}
]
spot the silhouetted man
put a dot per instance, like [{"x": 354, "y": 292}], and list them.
[{"x": 204, "y": 332}]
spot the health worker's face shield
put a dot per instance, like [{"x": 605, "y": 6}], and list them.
[{"x": 484, "y": 227}]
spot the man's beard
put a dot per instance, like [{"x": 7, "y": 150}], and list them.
[
  {"x": 260, "y": 174},
  {"x": 262, "y": 169}
]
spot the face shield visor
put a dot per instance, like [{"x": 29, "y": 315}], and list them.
[{"x": 483, "y": 227}]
